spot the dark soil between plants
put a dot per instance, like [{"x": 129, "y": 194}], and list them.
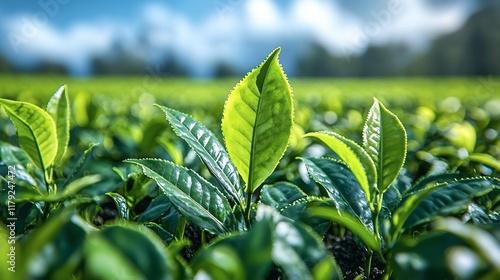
[{"x": 351, "y": 257}]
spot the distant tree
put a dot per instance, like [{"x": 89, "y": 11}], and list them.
[
  {"x": 173, "y": 68},
  {"x": 472, "y": 50},
  {"x": 51, "y": 68},
  {"x": 119, "y": 61},
  {"x": 388, "y": 60},
  {"x": 318, "y": 62},
  {"x": 5, "y": 65},
  {"x": 223, "y": 70},
  {"x": 118, "y": 64}
]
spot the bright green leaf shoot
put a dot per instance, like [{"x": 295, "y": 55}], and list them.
[
  {"x": 36, "y": 131},
  {"x": 257, "y": 121}
]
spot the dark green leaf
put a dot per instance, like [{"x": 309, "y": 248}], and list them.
[
  {"x": 210, "y": 150},
  {"x": 342, "y": 187},
  {"x": 121, "y": 205},
  {"x": 280, "y": 195},
  {"x": 13, "y": 156},
  {"x": 297, "y": 249},
  {"x": 438, "y": 200},
  {"x": 127, "y": 251},
  {"x": 53, "y": 250},
  {"x": 299, "y": 211},
  {"x": 79, "y": 165},
  {"x": 448, "y": 198},
  {"x": 195, "y": 198},
  {"x": 157, "y": 207},
  {"x": 251, "y": 250},
  {"x": 351, "y": 222}
]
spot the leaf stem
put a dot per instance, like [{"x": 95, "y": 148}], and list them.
[
  {"x": 248, "y": 208},
  {"x": 378, "y": 209},
  {"x": 368, "y": 266}
]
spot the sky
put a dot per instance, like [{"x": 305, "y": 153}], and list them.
[{"x": 201, "y": 33}]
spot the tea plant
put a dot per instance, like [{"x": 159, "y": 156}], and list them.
[
  {"x": 256, "y": 218},
  {"x": 43, "y": 136},
  {"x": 365, "y": 195},
  {"x": 256, "y": 124}
]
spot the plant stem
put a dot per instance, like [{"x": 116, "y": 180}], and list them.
[
  {"x": 248, "y": 208},
  {"x": 378, "y": 208},
  {"x": 203, "y": 242},
  {"x": 368, "y": 266}
]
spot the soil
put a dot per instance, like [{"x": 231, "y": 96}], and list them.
[{"x": 350, "y": 256}]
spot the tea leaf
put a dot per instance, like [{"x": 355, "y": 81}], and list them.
[
  {"x": 297, "y": 249},
  {"x": 353, "y": 155},
  {"x": 280, "y": 195},
  {"x": 55, "y": 246},
  {"x": 340, "y": 185},
  {"x": 73, "y": 189},
  {"x": 351, "y": 222},
  {"x": 257, "y": 121},
  {"x": 127, "y": 251},
  {"x": 14, "y": 156},
  {"x": 485, "y": 159},
  {"x": 437, "y": 200},
  {"x": 251, "y": 252},
  {"x": 194, "y": 197},
  {"x": 449, "y": 198},
  {"x": 58, "y": 109},
  {"x": 210, "y": 150},
  {"x": 36, "y": 131},
  {"x": 384, "y": 139}
]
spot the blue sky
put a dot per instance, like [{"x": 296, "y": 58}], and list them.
[{"x": 201, "y": 34}]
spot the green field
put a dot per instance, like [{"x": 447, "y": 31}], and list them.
[
  {"x": 130, "y": 178},
  {"x": 122, "y": 107},
  {"x": 200, "y": 91}
]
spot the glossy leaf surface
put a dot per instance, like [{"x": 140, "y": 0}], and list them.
[
  {"x": 36, "y": 131},
  {"x": 384, "y": 139},
  {"x": 280, "y": 195},
  {"x": 437, "y": 200},
  {"x": 353, "y": 155},
  {"x": 194, "y": 197},
  {"x": 297, "y": 249},
  {"x": 257, "y": 121},
  {"x": 340, "y": 185},
  {"x": 209, "y": 149},
  {"x": 449, "y": 198},
  {"x": 59, "y": 109}
]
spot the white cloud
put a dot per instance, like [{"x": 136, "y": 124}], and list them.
[
  {"x": 238, "y": 35},
  {"x": 419, "y": 22},
  {"x": 262, "y": 17},
  {"x": 325, "y": 21},
  {"x": 31, "y": 43}
]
